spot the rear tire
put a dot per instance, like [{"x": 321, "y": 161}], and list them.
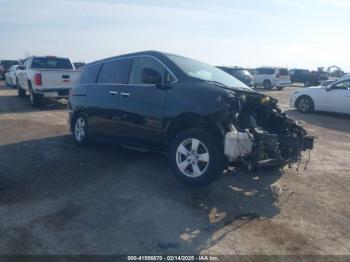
[
  {"x": 267, "y": 84},
  {"x": 80, "y": 130},
  {"x": 196, "y": 157},
  {"x": 304, "y": 104},
  {"x": 35, "y": 100}
]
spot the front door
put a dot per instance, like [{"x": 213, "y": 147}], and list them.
[
  {"x": 336, "y": 98},
  {"x": 142, "y": 105}
]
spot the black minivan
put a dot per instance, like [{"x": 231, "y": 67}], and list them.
[{"x": 204, "y": 118}]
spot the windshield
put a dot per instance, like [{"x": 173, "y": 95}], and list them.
[{"x": 206, "y": 72}]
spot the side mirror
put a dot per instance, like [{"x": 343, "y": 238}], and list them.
[
  {"x": 151, "y": 76},
  {"x": 21, "y": 67}
]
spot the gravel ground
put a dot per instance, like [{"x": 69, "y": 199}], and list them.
[{"x": 56, "y": 198}]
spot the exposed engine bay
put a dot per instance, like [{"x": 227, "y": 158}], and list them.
[{"x": 261, "y": 134}]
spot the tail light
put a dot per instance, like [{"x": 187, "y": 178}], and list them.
[{"x": 37, "y": 79}]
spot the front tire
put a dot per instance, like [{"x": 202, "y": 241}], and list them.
[
  {"x": 196, "y": 157},
  {"x": 304, "y": 104},
  {"x": 80, "y": 130}
]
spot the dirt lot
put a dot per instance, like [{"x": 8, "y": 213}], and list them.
[{"x": 56, "y": 198}]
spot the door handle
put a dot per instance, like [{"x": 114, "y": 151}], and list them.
[
  {"x": 125, "y": 94},
  {"x": 113, "y": 93}
]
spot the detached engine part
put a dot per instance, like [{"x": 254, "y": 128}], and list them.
[{"x": 238, "y": 144}]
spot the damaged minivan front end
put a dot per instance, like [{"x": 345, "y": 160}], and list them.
[{"x": 258, "y": 134}]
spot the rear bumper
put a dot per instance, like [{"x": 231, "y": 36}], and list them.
[{"x": 53, "y": 92}]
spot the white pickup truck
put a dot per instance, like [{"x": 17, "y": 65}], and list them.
[{"x": 46, "y": 76}]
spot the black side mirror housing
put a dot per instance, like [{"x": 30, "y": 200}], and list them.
[{"x": 151, "y": 76}]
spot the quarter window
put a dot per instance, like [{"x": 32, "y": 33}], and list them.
[
  {"x": 114, "y": 72},
  {"x": 89, "y": 74}
]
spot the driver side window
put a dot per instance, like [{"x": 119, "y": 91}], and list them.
[
  {"x": 342, "y": 85},
  {"x": 139, "y": 64}
]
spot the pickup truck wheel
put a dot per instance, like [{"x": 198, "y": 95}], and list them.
[
  {"x": 21, "y": 92},
  {"x": 196, "y": 157},
  {"x": 80, "y": 130},
  {"x": 304, "y": 104},
  {"x": 267, "y": 84},
  {"x": 35, "y": 100}
]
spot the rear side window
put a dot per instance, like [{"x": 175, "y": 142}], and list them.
[
  {"x": 51, "y": 63},
  {"x": 144, "y": 62},
  {"x": 283, "y": 71},
  {"x": 89, "y": 74},
  {"x": 115, "y": 72}
]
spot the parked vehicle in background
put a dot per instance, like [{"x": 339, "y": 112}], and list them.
[
  {"x": 332, "y": 98},
  {"x": 78, "y": 65},
  {"x": 201, "y": 116},
  {"x": 5, "y": 66},
  {"x": 7, "y": 79},
  {"x": 269, "y": 77},
  {"x": 46, "y": 76},
  {"x": 13, "y": 75},
  {"x": 241, "y": 74},
  {"x": 305, "y": 76}
]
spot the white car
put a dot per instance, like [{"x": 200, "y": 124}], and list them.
[
  {"x": 332, "y": 98},
  {"x": 13, "y": 75},
  {"x": 270, "y": 77}
]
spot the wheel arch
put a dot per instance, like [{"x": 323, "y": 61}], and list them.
[
  {"x": 305, "y": 95},
  {"x": 74, "y": 114},
  {"x": 192, "y": 120}
]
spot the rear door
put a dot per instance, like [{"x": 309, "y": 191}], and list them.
[
  {"x": 258, "y": 76},
  {"x": 142, "y": 105},
  {"x": 103, "y": 98}
]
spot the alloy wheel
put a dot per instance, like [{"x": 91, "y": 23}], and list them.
[
  {"x": 304, "y": 104},
  {"x": 80, "y": 129},
  {"x": 192, "y": 157}
]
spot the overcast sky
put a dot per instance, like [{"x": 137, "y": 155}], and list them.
[{"x": 292, "y": 33}]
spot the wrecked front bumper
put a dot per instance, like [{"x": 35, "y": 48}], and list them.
[{"x": 264, "y": 150}]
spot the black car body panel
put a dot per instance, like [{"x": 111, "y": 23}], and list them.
[{"x": 122, "y": 109}]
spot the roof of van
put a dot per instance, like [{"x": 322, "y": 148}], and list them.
[{"x": 151, "y": 52}]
